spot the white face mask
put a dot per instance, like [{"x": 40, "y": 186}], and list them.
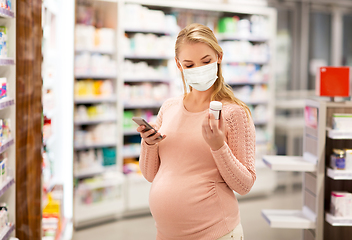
[{"x": 201, "y": 78}]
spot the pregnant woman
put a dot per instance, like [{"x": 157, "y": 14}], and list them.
[{"x": 200, "y": 161}]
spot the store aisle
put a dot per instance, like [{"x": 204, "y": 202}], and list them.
[{"x": 255, "y": 227}]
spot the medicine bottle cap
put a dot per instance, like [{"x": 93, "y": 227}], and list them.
[{"x": 215, "y": 105}]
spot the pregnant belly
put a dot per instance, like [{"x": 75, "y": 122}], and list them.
[{"x": 182, "y": 206}]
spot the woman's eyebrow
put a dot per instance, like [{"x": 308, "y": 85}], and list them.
[
  {"x": 205, "y": 57},
  {"x": 200, "y": 59}
]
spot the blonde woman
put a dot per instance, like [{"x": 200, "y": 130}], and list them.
[{"x": 199, "y": 161}]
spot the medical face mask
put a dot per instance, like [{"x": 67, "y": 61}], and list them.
[{"x": 201, "y": 78}]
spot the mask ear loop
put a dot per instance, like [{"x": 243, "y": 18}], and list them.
[{"x": 184, "y": 79}]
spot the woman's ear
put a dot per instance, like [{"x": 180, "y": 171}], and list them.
[
  {"x": 220, "y": 58},
  {"x": 178, "y": 64}
]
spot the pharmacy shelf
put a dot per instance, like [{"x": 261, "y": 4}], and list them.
[
  {"x": 260, "y": 122},
  {"x": 290, "y": 104},
  {"x": 294, "y": 219},
  {"x": 153, "y": 31},
  {"x": 242, "y": 83},
  {"x": 96, "y": 145},
  {"x": 89, "y": 172},
  {"x": 100, "y": 51},
  {"x": 95, "y": 76},
  {"x": 338, "y": 221},
  {"x": 257, "y": 102},
  {"x": 130, "y": 132},
  {"x": 91, "y": 100},
  {"x": 6, "y": 232},
  {"x": 230, "y": 61},
  {"x": 132, "y": 155},
  {"x": 234, "y": 37},
  {"x": 6, "y": 145},
  {"x": 339, "y": 174},
  {"x": 142, "y": 105},
  {"x": 6, "y": 13},
  {"x": 289, "y": 163},
  {"x": 6, "y": 185},
  {"x": 140, "y": 57},
  {"x": 7, "y": 61},
  {"x": 139, "y": 80},
  {"x": 339, "y": 134},
  {"x": 6, "y": 103},
  {"x": 94, "y": 211},
  {"x": 95, "y": 121}
]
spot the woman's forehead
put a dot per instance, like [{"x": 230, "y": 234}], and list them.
[{"x": 195, "y": 51}]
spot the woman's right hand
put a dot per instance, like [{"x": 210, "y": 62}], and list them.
[{"x": 148, "y": 137}]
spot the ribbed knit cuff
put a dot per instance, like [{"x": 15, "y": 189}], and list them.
[
  {"x": 149, "y": 146},
  {"x": 220, "y": 150}
]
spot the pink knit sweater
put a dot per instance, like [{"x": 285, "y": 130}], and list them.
[{"x": 192, "y": 197}]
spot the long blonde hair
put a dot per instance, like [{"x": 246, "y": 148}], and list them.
[{"x": 195, "y": 33}]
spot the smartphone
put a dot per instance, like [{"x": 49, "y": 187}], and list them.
[{"x": 141, "y": 122}]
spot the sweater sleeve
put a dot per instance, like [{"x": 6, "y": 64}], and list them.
[
  {"x": 149, "y": 161},
  {"x": 236, "y": 158}
]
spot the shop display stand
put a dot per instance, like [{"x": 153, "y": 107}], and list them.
[
  {"x": 8, "y": 111},
  {"x": 318, "y": 180}
]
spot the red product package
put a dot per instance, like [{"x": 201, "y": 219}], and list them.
[{"x": 333, "y": 82}]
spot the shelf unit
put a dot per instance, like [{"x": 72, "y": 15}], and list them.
[
  {"x": 8, "y": 111},
  {"x": 85, "y": 214},
  {"x": 6, "y": 232},
  {"x": 318, "y": 179}
]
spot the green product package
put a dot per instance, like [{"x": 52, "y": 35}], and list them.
[
  {"x": 127, "y": 119},
  {"x": 227, "y": 25}
]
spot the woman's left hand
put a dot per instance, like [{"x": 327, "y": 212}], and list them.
[{"x": 213, "y": 131}]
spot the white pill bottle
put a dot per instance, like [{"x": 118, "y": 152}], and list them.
[{"x": 215, "y": 108}]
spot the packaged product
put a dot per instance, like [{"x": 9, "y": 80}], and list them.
[
  {"x": 337, "y": 159},
  {"x": 348, "y": 159},
  {"x": 9, "y": 5},
  {"x": 3, "y": 88},
  {"x": 3, "y": 166},
  {"x": 1, "y": 132},
  {"x": 341, "y": 204},
  {"x": 3, "y": 41},
  {"x": 342, "y": 121},
  {"x": 6, "y": 131}
]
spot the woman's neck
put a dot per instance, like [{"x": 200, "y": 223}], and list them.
[{"x": 197, "y": 101}]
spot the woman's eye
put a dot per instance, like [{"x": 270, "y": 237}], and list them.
[
  {"x": 207, "y": 62},
  {"x": 189, "y": 66}
]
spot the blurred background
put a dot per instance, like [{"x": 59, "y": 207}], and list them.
[{"x": 105, "y": 61}]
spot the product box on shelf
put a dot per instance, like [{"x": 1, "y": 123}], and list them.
[
  {"x": 7, "y": 4},
  {"x": 3, "y": 169},
  {"x": 341, "y": 159},
  {"x": 94, "y": 88},
  {"x": 3, "y": 42},
  {"x": 52, "y": 213},
  {"x": 333, "y": 82},
  {"x": 342, "y": 121},
  {"x": 348, "y": 159},
  {"x": 341, "y": 204},
  {"x": 4, "y": 216},
  {"x": 5, "y": 130},
  {"x": 338, "y": 160},
  {"x": 3, "y": 88}
]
